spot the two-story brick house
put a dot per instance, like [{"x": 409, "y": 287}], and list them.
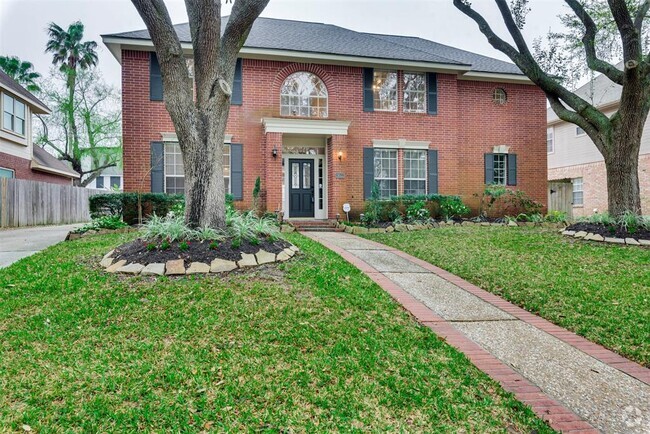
[{"x": 320, "y": 113}]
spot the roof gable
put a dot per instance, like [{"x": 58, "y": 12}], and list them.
[{"x": 12, "y": 86}]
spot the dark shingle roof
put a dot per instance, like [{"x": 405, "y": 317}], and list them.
[
  {"x": 20, "y": 91},
  {"x": 277, "y": 34}
]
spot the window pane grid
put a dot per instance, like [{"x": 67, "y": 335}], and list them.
[
  {"x": 386, "y": 172},
  {"x": 415, "y": 92},
  {"x": 550, "y": 143},
  {"x": 500, "y": 172},
  {"x": 578, "y": 193},
  {"x": 13, "y": 116},
  {"x": 175, "y": 173},
  {"x": 303, "y": 94},
  {"x": 384, "y": 89},
  {"x": 415, "y": 172}
]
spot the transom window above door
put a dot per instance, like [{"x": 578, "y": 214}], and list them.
[{"x": 303, "y": 94}]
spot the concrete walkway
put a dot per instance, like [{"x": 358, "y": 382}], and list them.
[
  {"x": 576, "y": 385},
  {"x": 19, "y": 243}
]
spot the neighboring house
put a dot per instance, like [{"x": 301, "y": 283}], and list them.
[
  {"x": 109, "y": 179},
  {"x": 19, "y": 158},
  {"x": 576, "y": 169},
  {"x": 320, "y": 113}
]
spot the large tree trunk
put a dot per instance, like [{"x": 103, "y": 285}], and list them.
[{"x": 622, "y": 166}]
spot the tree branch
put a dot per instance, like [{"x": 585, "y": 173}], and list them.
[
  {"x": 640, "y": 15},
  {"x": 589, "y": 41},
  {"x": 629, "y": 35}
]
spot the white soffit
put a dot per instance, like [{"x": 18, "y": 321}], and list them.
[
  {"x": 305, "y": 126},
  {"x": 400, "y": 144}
]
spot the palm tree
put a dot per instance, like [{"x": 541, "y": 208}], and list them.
[
  {"x": 71, "y": 53},
  {"x": 22, "y": 72}
]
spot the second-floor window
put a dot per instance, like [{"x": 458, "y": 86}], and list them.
[
  {"x": 303, "y": 94},
  {"x": 580, "y": 132},
  {"x": 550, "y": 141},
  {"x": 384, "y": 88},
  {"x": 13, "y": 116},
  {"x": 415, "y": 92}
]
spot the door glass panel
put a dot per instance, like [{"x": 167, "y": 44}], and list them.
[
  {"x": 306, "y": 175},
  {"x": 320, "y": 184},
  {"x": 295, "y": 175}
]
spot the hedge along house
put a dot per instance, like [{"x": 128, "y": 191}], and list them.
[{"x": 320, "y": 113}]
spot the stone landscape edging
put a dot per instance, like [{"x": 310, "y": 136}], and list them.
[
  {"x": 403, "y": 227},
  {"x": 72, "y": 235},
  {"x": 176, "y": 267},
  {"x": 589, "y": 236}
]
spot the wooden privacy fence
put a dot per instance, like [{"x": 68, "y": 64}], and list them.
[{"x": 30, "y": 203}]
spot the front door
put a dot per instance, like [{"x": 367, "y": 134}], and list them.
[{"x": 301, "y": 188}]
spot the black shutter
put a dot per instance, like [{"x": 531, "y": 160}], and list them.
[
  {"x": 489, "y": 169},
  {"x": 512, "y": 169},
  {"x": 157, "y": 167},
  {"x": 155, "y": 79},
  {"x": 237, "y": 171},
  {"x": 368, "y": 171},
  {"x": 433, "y": 171},
  {"x": 237, "y": 92},
  {"x": 432, "y": 90},
  {"x": 368, "y": 96},
  {"x": 99, "y": 182}
]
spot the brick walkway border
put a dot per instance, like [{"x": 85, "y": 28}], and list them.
[{"x": 556, "y": 414}]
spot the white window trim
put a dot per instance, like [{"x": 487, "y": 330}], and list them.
[
  {"x": 426, "y": 171},
  {"x": 426, "y": 96},
  {"x": 400, "y": 144},
  {"x": 552, "y": 131},
  {"x": 397, "y": 172},
  {"x": 9, "y": 170},
  {"x": 2, "y": 113},
  {"x": 396, "y": 90}
]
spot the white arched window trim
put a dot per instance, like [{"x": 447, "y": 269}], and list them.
[{"x": 304, "y": 94}]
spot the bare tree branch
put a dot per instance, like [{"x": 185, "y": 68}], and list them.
[{"x": 589, "y": 42}]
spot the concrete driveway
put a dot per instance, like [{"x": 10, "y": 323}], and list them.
[{"x": 19, "y": 243}]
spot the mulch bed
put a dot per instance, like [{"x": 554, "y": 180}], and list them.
[
  {"x": 613, "y": 231},
  {"x": 198, "y": 251}
]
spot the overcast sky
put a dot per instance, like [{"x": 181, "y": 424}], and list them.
[{"x": 23, "y": 22}]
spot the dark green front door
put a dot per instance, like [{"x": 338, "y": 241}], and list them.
[{"x": 301, "y": 188}]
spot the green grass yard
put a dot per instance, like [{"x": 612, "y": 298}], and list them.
[
  {"x": 597, "y": 290},
  {"x": 310, "y": 346}
]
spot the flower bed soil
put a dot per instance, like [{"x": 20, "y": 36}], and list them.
[
  {"x": 613, "y": 231},
  {"x": 198, "y": 251}
]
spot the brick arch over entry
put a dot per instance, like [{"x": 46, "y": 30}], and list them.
[{"x": 285, "y": 72}]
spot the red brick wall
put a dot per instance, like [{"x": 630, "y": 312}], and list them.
[
  {"x": 22, "y": 170},
  {"x": 468, "y": 125}
]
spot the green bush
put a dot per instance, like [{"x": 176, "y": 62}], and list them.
[
  {"x": 417, "y": 211},
  {"x": 556, "y": 217},
  {"x": 126, "y": 205},
  {"x": 103, "y": 222},
  {"x": 396, "y": 208},
  {"x": 499, "y": 201}
]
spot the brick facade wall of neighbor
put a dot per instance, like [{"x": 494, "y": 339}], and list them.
[
  {"x": 594, "y": 185},
  {"x": 23, "y": 170},
  {"x": 467, "y": 126}
]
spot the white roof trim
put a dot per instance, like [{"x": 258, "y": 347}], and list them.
[
  {"x": 40, "y": 109},
  {"x": 173, "y": 138},
  {"x": 115, "y": 45},
  {"x": 491, "y": 76},
  {"x": 35, "y": 166},
  {"x": 305, "y": 126},
  {"x": 400, "y": 144}
]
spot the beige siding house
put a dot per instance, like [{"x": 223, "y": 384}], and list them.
[{"x": 576, "y": 170}]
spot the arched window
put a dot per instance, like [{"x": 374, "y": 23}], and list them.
[{"x": 303, "y": 94}]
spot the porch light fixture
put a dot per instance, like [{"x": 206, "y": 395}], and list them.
[
  {"x": 274, "y": 152},
  {"x": 340, "y": 155}
]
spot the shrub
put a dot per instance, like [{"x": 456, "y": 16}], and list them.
[
  {"x": 452, "y": 206},
  {"x": 498, "y": 201},
  {"x": 170, "y": 227},
  {"x": 103, "y": 222},
  {"x": 556, "y": 217},
  {"x": 417, "y": 211},
  {"x": 126, "y": 206},
  {"x": 396, "y": 208}
]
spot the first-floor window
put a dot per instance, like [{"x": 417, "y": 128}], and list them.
[
  {"x": 415, "y": 171},
  {"x": 6, "y": 173},
  {"x": 578, "y": 198},
  {"x": 386, "y": 172},
  {"x": 99, "y": 182},
  {"x": 500, "y": 172},
  {"x": 115, "y": 181},
  {"x": 175, "y": 173}
]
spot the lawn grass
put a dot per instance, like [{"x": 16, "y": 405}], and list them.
[
  {"x": 309, "y": 346},
  {"x": 600, "y": 291}
]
